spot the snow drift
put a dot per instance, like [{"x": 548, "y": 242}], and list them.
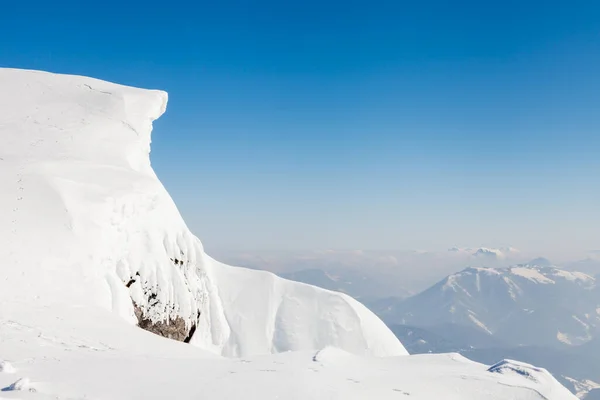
[{"x": 89, "y": 223}]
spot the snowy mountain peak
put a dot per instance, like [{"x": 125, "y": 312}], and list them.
[
  {"x": 537, "y": 271},
  {"x": 546, "y": 273},
  {"x": 520, "y": 368},
  {"x": 500, "y": 253},
  {"x": 486, "y": 253},
  {"x": 528, "y": 304}
]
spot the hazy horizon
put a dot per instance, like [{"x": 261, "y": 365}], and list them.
[{"x": 387, "y": 125}]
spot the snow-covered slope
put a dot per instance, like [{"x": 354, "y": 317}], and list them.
[
  {"x": 92, "y": 245},
  {"x": 87, "y": 222},
  {"x": 530, "y": 304},
  {"x": 119, "y": 364}
]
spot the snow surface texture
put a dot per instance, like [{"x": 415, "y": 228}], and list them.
[
  {"x": 86, "y": 211},
  {"x": 6, "y": 367},
  {"x": 87, "y": 227}
]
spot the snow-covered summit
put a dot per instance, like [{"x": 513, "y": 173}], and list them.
[
  {"x": 532, "y": 303},
  {"x": 486, "y": 254},
  {"x": 86, "y": 221},
  {"x": 499, "y": 254}
]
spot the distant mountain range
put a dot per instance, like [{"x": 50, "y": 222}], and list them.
[
  {"x": 369, "y": 275},
  {"x": 487, "y": 253},
  {"x": 589, "y": 265},
  {"x": 528, "y": 304},
  {"x": 534, "y": 312}
]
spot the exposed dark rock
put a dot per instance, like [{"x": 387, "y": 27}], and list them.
[
  {"x": 173, "y": 329},
  {"x": 176, "y": 261},
  {"x": 176, "y": 328},
  {"x": 132, "y": 280},
  {"x": 190, "y": 334}
]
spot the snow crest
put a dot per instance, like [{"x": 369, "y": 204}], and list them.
[{"x": 90, "y": 225}]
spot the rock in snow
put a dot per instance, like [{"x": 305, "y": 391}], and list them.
[{"x": 91, "y": 240}]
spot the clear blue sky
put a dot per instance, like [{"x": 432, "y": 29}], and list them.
[{"x": 354, "y": 124}]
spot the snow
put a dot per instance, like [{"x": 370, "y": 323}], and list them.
[
  {"x": 127, "y": 363},
  {"x": 513, "y": 289},
  {"x": 586, "y": 327},
  {"x": 527, "y": 371},
  {"x": 486, "y": 252},
  {"x": 452, "y": 283},
  {"x": 583, "y": 387},
  {"x": 573, "y": 275},
  {"x": 549, "y": 274},
  {"x": 87, "y": 228},
  {"x": 294, "y": 308},
  {"x": 564, "y": 338},
  {"x": 6, "y": 367},
  {"x": 82, "y": 194},
  {"x": 472, "y": 317},
  {"x": 499, "y": 254},
  {"x": 532, "y": 274},
  {"x": 478, "y": 270},
  {"x": 576, "y": 318}
]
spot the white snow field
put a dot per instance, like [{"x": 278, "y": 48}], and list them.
[{"x": 87, "y": 230}]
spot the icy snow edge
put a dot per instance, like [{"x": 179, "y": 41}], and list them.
[{"x": 78, "y": 179}]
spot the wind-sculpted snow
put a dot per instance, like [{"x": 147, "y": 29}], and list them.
[
  {"x": 86, "y": 360},
  {"x": 93, "y": 245},
  {"x": 298, "y": 316},
  {"x": 89, "y": 223}
]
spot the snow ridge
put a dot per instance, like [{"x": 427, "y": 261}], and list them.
[{"x": 74, "y": 154}]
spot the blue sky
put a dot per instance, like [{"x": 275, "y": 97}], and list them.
[{"x": 356, "y": 124}]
